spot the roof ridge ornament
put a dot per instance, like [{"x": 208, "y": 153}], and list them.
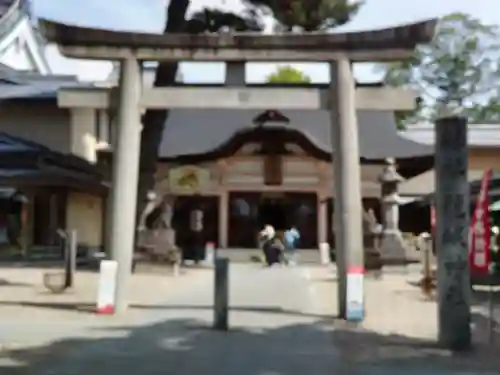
[{"x": 272, "y": 116}]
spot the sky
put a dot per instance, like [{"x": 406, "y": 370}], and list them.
[{"x": 149, "y": 15}]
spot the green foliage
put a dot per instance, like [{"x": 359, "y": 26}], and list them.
[
  {"x": 288, "y": 74},
  {"x": 457, "y": 74},
  {"x": 215, "y": 20},
  {"x": 309, "y": 15}
]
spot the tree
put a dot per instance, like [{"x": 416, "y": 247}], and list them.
[
  {"x": 309, "y": 15},
  {"x": 288, "y": 74},
  {"x": 154, "y": 120},
  {"x": 456, "y": 74}
]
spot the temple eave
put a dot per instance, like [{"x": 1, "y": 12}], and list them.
[{"x": 250, "y": 46}]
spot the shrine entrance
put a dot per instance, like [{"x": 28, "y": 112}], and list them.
[
  {"x": 273, "y": 211},
  {"x": 249, "y": 212}
]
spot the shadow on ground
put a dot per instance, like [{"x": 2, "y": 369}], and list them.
[
  {"x": 189, "y": 346},
  {"x": 90, "y": 308},
  {"x": 5, "y": 282}
]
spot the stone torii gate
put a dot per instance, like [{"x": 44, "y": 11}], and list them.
[{"x": 342, "y": 100}]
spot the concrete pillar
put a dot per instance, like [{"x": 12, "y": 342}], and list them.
[
  {"x": 235, "y": 73},
  {"x": 322, "y": 219},
  {"x": 223, "y": 219},
  {"x": 347, "y": 175},
  {"x": 83, "y": 133},
  {"x": 452, "y": 227},
  {"x": 103, "y": 131},
  {"x": 125, "y": 177}
]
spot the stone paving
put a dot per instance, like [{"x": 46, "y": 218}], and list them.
[
  {"x": 281, "y": 323},
  {"x": 399, "y": 333}
]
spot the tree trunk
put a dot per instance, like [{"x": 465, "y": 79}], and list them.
[{"x": 154, "y": 120}]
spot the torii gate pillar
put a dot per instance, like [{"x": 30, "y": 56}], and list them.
[
  {"x": 125, "y": 174},
  {"x": 348, "y": 209}
]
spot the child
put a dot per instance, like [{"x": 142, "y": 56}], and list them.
[{"x": 292, "y": 237}]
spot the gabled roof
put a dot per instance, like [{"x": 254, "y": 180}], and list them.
[
  {"x": 15, "y": 24},
  {"x": 27, "y": 162},
  {"x": 197, "y": 131},
  {"x": 9, "y": 143},
  {"x": 425, "y": 183},
  {"x": 16, "y": 84},
  {"x": 5, "y": 7}
]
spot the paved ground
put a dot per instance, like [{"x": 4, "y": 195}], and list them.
[{"x": 281, "y": 323}]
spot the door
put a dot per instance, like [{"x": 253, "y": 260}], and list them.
[
  {"x": 302, "y": 208},
  {"x": 181, "y": 220},
  {"x": 243, "y": 219}
]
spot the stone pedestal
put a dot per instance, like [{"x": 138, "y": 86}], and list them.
[
  {"x": 392, "y": 248},
  {"x": 170, "y": 237}
]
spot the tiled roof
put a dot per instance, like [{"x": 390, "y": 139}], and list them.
[
  {"x": 479, "y": 135},
  {"x": 28, "y": 85},
  {"x": 198, "y": 131},
  {"x": 27, "y": 159}
]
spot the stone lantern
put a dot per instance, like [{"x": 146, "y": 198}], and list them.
[{"x": 392, "y": 247}]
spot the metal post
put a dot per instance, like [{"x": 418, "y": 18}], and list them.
[
  {"x": 452, "y": 227},
  {"x": 347, "y": 175},
  {"x": 491, "y": 314},
  {"x": 491, "y": 304},
  {"x": 71, "y": 250},
  {"x": 427, "y": 277},
  {"x": 221, "y": 294},
  {"x": 125, "y": 177}
]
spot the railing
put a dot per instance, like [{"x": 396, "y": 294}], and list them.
[{"x": 11, "y": 18}]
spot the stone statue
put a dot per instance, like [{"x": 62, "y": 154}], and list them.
[
  {"x": 148, "y": 208},
  {"x": 393, "y": 247},
  {"x": 167, "y": 213}
]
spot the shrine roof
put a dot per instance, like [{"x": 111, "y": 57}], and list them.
[{"x": 200, "y": 131}]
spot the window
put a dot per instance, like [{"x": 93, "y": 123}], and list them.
[{"x": 11, "y": 206}]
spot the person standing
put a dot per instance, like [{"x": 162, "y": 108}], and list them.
[
  {"x": 292, "y": 237},
  {"x": 266, "y": 237}
]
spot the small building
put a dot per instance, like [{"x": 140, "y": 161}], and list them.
[
  {"x": 483, "y": 154},
  {"x": 41, "y": 161}
]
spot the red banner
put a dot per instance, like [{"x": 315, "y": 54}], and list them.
[{"x": 480, "y": 231}]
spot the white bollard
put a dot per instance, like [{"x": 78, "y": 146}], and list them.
[
  {"x": 324, "y": 252},
  {"x": 107, "y": 287},
  {"x": 210, "y": 253},
  {"x": 355, "y": 294},
  {"x": 176, "y": 270}
]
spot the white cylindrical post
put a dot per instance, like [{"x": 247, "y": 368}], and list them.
[
  {"x": 324, "y": 252},
  {"x": 125, "y": 177},
  {"x": 209, "y": 253}
]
